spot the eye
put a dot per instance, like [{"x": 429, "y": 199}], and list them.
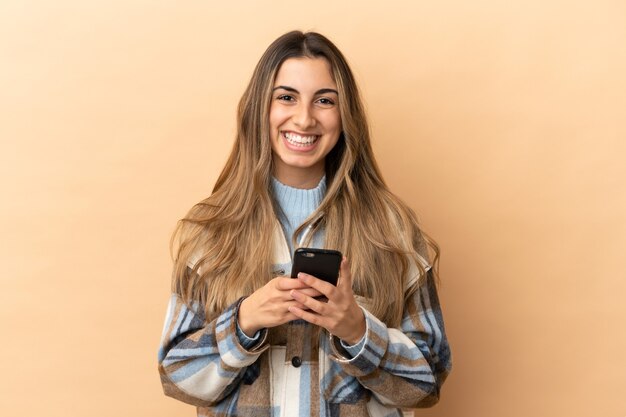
[
  {"x": 285, "y": 97},
  {"x": 326, "y": 101}
]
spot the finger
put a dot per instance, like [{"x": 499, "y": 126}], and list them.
[
  {"x": 310, "y": 303},
  {"x": 306, "y": 315},
  {"x": 325, "y": 288},
  {"x": 295, "y": 303},
  {"x": 288, "y": 284},
  {"x": 345, "y": 274},
  {"x": 284, "y": 289},
  {"x": 311, "y": 292}
]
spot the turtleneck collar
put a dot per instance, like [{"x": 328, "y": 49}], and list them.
[{"x": 296, "y": 205}]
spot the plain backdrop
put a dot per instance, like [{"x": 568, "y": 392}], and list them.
[{"x": 501, "y": 123}]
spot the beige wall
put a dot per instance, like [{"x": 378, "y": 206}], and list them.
[{"x": 501, "y": 123}]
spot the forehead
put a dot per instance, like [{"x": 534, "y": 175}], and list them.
[{"x": 305, "y": 73}]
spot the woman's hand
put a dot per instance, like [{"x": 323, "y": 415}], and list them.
[
  {"x": 341, "y": 315},
  {"x": 269, "y": 305}
]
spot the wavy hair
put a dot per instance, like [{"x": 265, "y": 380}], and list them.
[{"x": 219, "y": 248}]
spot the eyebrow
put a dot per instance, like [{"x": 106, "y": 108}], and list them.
[{"x": 293, "y": 90}]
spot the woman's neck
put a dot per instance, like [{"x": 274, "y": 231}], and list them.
[{"x": 300, "y": 178}]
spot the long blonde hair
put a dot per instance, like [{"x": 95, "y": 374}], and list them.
[{"x": 220, "y": 248}]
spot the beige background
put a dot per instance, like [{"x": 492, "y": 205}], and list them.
[{"x": 501, "y": 123}]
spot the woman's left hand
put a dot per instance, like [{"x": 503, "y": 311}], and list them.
[{"x": 341, "y": 315}]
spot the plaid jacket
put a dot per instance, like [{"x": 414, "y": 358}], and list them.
[{"x": 298, "y": 369}]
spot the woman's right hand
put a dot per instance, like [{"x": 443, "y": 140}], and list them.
[{"x": 269, "y": 305}]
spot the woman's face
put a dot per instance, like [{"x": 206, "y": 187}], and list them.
[{"x": 304, "y": 120}]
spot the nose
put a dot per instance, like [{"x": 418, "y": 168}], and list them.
[{"x": 304, "y": 117}]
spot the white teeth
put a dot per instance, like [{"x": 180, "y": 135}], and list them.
[{"x": 298, "y": 140}]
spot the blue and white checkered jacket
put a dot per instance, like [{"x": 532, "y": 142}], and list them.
[{"x": 298, "y": 369}]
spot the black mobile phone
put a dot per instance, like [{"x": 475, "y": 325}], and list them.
[{"x": 321, "y": 263}]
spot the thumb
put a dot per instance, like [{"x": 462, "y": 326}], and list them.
[{"x": 345, "y": 274}]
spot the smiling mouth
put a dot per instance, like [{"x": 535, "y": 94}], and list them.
[{"x": 297, "y": 140}]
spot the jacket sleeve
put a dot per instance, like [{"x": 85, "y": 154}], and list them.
[
  {"x": 201, "y": 362},
  {"x": 406, "y": 366}
]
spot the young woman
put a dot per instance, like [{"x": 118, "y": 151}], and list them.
[{"x": 241, "y": 338}]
